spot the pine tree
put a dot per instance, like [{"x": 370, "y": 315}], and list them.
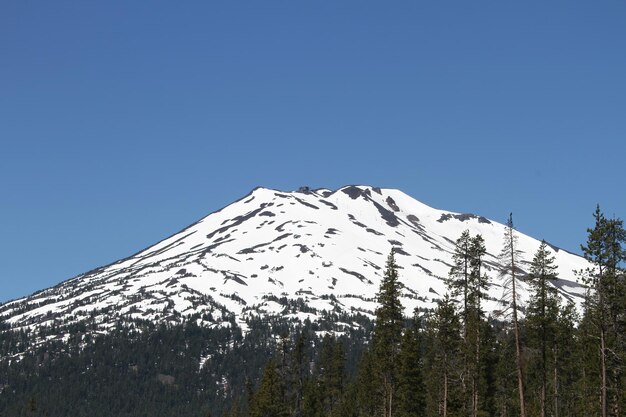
[
  {"x": 312, "y": 399},
  {"x": 615, "y": 275},
  {"x": 323, "y": 392},
  {"x": 467, "y": 280},
  {"x": 299, "y": 370},
  {"x": 542, "y": 315},
  {"x": 510, "y": 269},
  {"x": 474, "y": 325},
  {"x": 445, "y": 358},
  {"x": 566, "y": 365},
  {"x": 268, "y": 400},
  {"x": 411, "y": 389},
  {"x": 478, "y": 281},
  {"x": 349, "y": 405},
  {"x": 330, "y": 375},
  {"x": 459, "y": 282},
  {"x": 367, "y": 387},
  {"x": 387, "y": 336},
  {"x": 337, "y": 374},
  {"x": 506, "y": 399},
  {"x": 488, "y": 365},
  {"x": 605, "y": 305},
  {"x": 587, "y": 354}
]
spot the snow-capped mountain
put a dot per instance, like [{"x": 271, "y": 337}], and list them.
[{"x": 295, "y": 254}]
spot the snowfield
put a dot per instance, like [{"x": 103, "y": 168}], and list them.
[{"x": 325, "y": 248}]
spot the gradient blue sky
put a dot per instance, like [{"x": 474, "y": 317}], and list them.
[{"x": 123, "y": 122}]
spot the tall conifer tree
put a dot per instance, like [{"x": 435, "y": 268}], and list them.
[
  {"x": 411, "y": 390},
  {"x": 477, "y": 291},
  {"x": 510, "y": 270},
  {"x": 446, "y": 358},
  {"x": 542, "y": 315},
  {"x": 605, "y": 306},
  {"x": 566, "y": 365},
  {"x": 387, "y": 335},
  {"x": 467, "y": 280},
  {"x": 460, "y": 272},
  {"x": 268, "y": 400}
]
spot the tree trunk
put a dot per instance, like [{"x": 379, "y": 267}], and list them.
[
  {"x": 603, "y": 371},
  {"x": 518, "y": 348},
  {"x": 520, "y": 376},
  {"x": 445, "y": 389},
  {"x": 474, "y": 398},
  {"x": 476, "y": 369},
  {"x": 600, "y": 290},
  {"x": 543, "y": 401},
  {"x": 543, "y": 349},
  {"x": 556, "y": 384},
  {"x": 387, "y": 396}
]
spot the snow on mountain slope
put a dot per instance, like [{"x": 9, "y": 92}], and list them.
[{"x": 327, "y": 248}]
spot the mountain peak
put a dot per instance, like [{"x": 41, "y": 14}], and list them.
[{"x": 299, "y": 253}]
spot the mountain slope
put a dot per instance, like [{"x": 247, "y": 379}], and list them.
[{"x": 323, "y": 250}]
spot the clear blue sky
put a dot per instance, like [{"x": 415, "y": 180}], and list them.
[{"x": 122, "y": 122}]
